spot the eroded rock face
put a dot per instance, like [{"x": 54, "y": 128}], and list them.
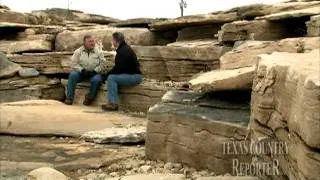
[
  {"x": 313, "y": 26},
  {"x": 70, "y": 40},
  {"x": 41, "y": 87},
  {"x": 15, "y": 17},
  {"x": 7, "y": 68},
  {"x": 38, "y": 45},
  {"x": 46, "y": 173},
  {"x": 198, "y": 32},
  {"x": 190, "y": 128},
  {"x": 246, "y": 54},
  {"x": 218, "y": 80},
  {"x": 285, "y": 107}
]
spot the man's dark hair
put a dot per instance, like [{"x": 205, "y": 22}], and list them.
[
  {"x": 118, "y": 36},
  {"x": 87, "y": 36}
]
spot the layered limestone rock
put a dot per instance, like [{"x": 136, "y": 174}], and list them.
[
  {"x": 15, "y": 17},
  {"x": 198, "y": 32},
  {"x": 252, "y": 30},
  {"x": 40, "y": 45},
  {"x": 178, "y": 62},
  {"x": 195, "y": 20},
  {"x": 54, "y": 62},
  {"x": 49, "y": 117},
  {"x": 191, "y": 128},
  {"x": 70, "y": 40},
  {"x": 246, "y": 54},
  {"x": 285, "y": 108},
  {"x": 137, "y": 98},
  {"x": 73, "y": 15},
  {"x": 7, "y": 68},
  {"x": 313, "y": 26},
  {"x": 41, "y": 87},
  {"x": 137, "y": 22},
  {"x": 46, "y": 173},
  {"x": 219, "y": 80}
]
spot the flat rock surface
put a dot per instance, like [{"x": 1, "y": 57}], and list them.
[
  {"x": 116, "y": 135},
  {"x": 293, "y": 14},
  {"x": 223, "y": 80},
  {"x": 48, "y": 117}
]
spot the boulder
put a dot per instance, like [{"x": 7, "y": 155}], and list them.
[
  {"x": 292, "y": 14},
  {"x": 74, "y": 15},
  {"x": 252, "y": 30},
  {"x": 70, "y": 40},
  {"x": 36, "y": 117},
  {"x": 198, "y": 32},
  {"x": 41, "y": 87},
  {"x": 313, "y": 26},
  {"x": 218, "y": 80},
  {"x": 194, "y": 20},
  {"x": 285, "y": 108},
  {"x": 246, "y": 54},
  {"x": 54, "y": 62},
  {"x": 46, "y": 173},
  {"x": 41, "y": 45},
  {"x": 7, "y": 68},
  {"x": 28, "y": 72},
  {"x": 137, "y": 98},
  {"x": 191, "y": 129},
  {"x": 116, "y": 135},
  {"x": 178, "y": 62}
]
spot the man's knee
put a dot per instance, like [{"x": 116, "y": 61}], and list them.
[
  {"x": 96, "y": 79},
  {"x": 74, "y": 75},
  {"x": 111, "y": 77}
]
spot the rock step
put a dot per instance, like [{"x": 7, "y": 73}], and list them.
[
  {"x": 36, "y": 117},
  {"x": 191, "y": 129}
]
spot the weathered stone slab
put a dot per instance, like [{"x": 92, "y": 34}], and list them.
[
  {"x": 54, "y": 62},
  {"x": 138, "y": 98},
  {"x": 247, "y": 53},
  {"x": 70, "y": 40},
  {"x": 195, "y": 20},
  {"x": 218, "y": 80},
  {"x": 28, "y": 72},
  {"x": 136, "y": 22},
  {"x": 313, "y": 26},
  {"x": 252, "y": 30},
  {"x": 16, "y": 17},
  {"x": 26, "y": 46},
  {"x": 193, "y": 134},
  {"x": 18, "y": 89},
  {"x": 292, "y": 14},
  {"x": 178, "y": 62},
  {"x": 7, "y": 68},
  {"x": 48, "y": 117},
  {"x": 46, "y": 173},
  {"x": 116, "y": 135}
]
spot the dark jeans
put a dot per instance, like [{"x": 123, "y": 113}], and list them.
[
  {"x": 116, "y": 80},
  {"x": 75, "y": 77}
]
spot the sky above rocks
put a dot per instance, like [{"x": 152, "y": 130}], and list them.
[{"x": 125, "y": 9}]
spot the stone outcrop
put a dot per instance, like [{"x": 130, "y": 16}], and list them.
[
  {"x": 49, "y": 117},
  {"x": 69, "y": 41},
  {"x": 178, "y": 62},
  {"x": 252, "y": 30},
  {"x": 246, "y": 54},
  {"x": 138, "y": 98},
  {"x": 190, "y": 128},
  {"x": 73, "y": 15},
  {"x": 198, "y": 32},
  {"x": 7, "y": 68},
  {"x": 16, "y": 17},
  {"x": 41, "y": 45},
  {"x": 41, "y": 87},
  {"x": 195, "y": 20},
  {"x": 116, "y": 135},
  {"x": 285, "y": 108},
  {"x": 313, "y": 26},
  {"x": 137, "y": 22},
  {"x": 46, "y": 173},
  {"x": 219, "y": 80},
  {"x": 54, "y": 62}
]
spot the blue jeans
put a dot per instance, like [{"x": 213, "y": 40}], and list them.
[
  {"x": 116, "y": 80},
  {"x": 75, "y": 77}
]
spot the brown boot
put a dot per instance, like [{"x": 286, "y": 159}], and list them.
[
  {"x": 68, "y": 101},
  {"x": 87, "y": 101},
  {"x": 110, "y": 107}
]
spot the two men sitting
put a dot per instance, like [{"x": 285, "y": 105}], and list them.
[{"x": 87, "y": 62}]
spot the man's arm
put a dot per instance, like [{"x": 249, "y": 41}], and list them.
[
  {"x": 75, "y": 61},
  {"x": 102, "y": 60}
]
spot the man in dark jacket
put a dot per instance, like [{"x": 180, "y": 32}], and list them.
[{"x": 126, "y": 71}]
